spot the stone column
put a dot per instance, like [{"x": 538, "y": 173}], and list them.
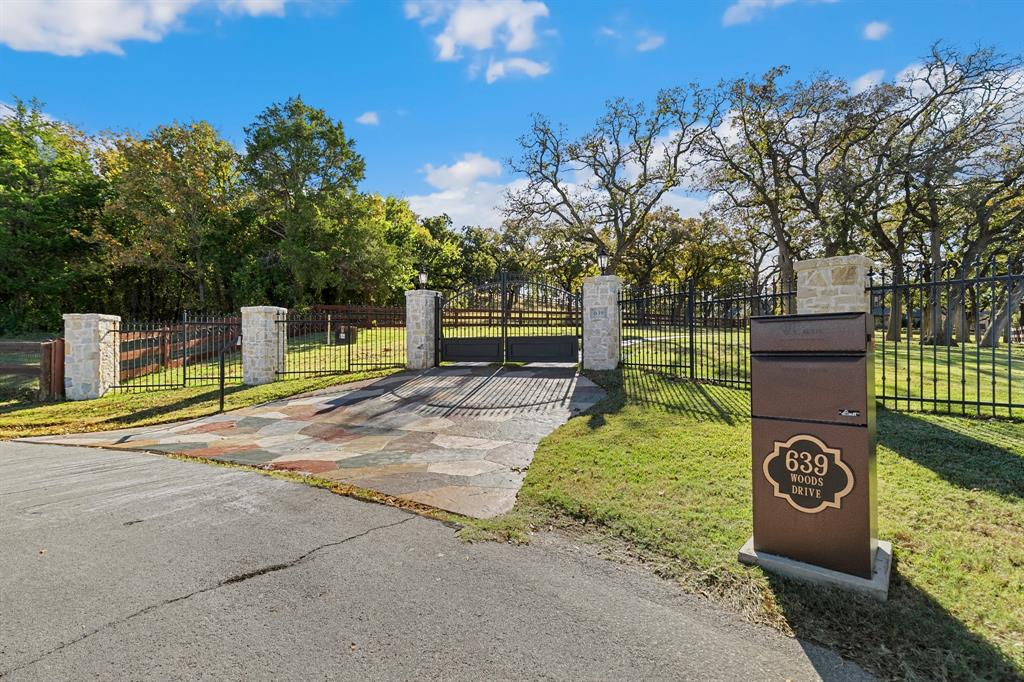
[
  {"x": 833, "y": 285},
  {"x": 421, "y": 328},
  {"x": 92, "y": 354},
  {"x": 601, "y": 330},
  {"x": 264, "y": 343}
]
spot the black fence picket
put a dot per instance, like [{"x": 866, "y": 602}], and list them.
[
  {"x": 950, "y": 339},
  {"x": 340, "y": 340},
  {"x": 154, "y": 355},
  {"x": 697, "y": 334}
]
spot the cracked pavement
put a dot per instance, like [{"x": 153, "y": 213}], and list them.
[{"x": 122, "y": 565}]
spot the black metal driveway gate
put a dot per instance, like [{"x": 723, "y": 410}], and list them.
[{"x": 512, "y": 319}]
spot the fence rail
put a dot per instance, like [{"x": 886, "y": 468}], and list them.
[
  {"x": 946, "y": 340},
  {"x": 341, "y": 339},
  {"x": 950, "y": 340},
  {"x": 700, "y": 335},
  {"x": 32, "y": 369},
  {"x": 153, "y": 355}
]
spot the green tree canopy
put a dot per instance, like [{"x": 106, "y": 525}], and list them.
[{"x": 50, "y": 198}]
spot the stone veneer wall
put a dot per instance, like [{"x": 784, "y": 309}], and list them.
[
  {"x": 92, "y": 354},
  {"x": 833, "y": 285},
  {"x": 264, "y": 343},
  {"x": 420, "y": 328},
  {"x": 601, "y": 329}
]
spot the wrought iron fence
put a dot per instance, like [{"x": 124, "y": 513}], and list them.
[
  {"x": 514, "y": 318},
  {"x": 722, "y": 328},
  {"x": 657, "y": 328},
  {"x": 700, "y": 335},
  {"x": 198, "y": 350},
  {"x": 341, "y": 340},
  {"x": 950, "y": 339}
]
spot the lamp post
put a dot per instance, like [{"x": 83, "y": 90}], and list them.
[
  {"x": 423, "y": 277},
  {"x": 602, "y": 259}
]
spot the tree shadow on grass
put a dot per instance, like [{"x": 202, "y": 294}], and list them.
[
  {"x": 182, "y": 404},
  {"x": 671, "y": 394},
  {"x": 154, "y": 411},
  {"x": 909, "y": 637},
  {"x": 945, "y": 445},
  {"x": 680, "y": 395}
]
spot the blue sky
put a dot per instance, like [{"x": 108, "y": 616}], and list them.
[{"x": 443, "y": 89}]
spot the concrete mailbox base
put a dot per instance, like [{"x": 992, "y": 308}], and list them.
[{"x": 876, "y": 587}]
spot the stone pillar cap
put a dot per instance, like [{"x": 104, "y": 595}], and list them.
[
  {"x": 263, "y": 308},
  {"x": 815, "y": 263},
  {"x": 98, "y": 316},
  {"x": 414, "y": 292}
]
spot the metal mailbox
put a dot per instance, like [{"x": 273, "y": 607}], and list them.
[{"x": 813, "y": 436}]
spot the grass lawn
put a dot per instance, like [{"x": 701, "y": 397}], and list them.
[
  {"x": 119, "y": 410},
  {"x": 373, "y": 346},
  {"x": 664, "y": 465}
]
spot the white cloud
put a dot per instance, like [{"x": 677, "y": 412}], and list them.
[
  {"x": 910, "y": 72},
  {"x": 476, "y": 204},
  {"x": 369, "y": 118},
  {"x": 466, "y": 194},
  {"x": 867, "y": 81},
  {"x": 75, "y": 28},
  {"x": 507, "y": 67},
  {"x": 463, "y": 191},
  {"x": 608, "y": 31},
  {"x": 479, "y": 24},
  {"x": 688, "y": 205},
  {"x": 744, "y": 11},
  {"x": 480, "y": 203},
  {"x": 463, "y": 173},
  {"x": 254, "y": 8},
  {"x": 489, "y": 30},
  {"x": 649, "y": 41},
  {"x": 876, "y": 30},
  {"x": 426, "y": 11}
]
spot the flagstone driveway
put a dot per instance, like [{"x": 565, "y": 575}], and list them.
[{"x": 457, "y": 438}]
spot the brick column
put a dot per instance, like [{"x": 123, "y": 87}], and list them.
[
  {"x": 92, "y": 354},
  {"x": 833, "y": 285},
  {"x": 420, "y": 328},
  {"x": 601, "y": 330},
  {"x": 264, "y": 343}
]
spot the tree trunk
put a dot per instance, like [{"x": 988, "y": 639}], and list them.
[
  {"x": 755, "y": 291},
  {"x": 894, "y": 331},
  {"x": 786, "y": 276},
  {"x": 1002, "y": 321},
  {"x": 931, "y": 322}
]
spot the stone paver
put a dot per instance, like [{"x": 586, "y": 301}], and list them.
[{"x": 457, "y": 438}]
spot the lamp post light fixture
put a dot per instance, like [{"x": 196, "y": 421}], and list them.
[
  {"x": 602, "y": 260},
  {"x": 423, "y": 277}
]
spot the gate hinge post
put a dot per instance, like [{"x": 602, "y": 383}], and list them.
[
  {"x": 92, "y": 354},
  {"x": 421, "y": 336},
  {"x": 602, "y": 331},
  {"x": 264, "y": 343}
]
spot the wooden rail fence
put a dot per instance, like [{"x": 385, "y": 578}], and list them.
[
  {"x": 49, "y": 368},
  {"x": 165, "y": 347}
]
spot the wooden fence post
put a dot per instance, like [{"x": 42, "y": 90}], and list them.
[
  {"x": 45, "y": 370},
  {"x": 51, "y": 370},
  {"x": 57, "y": 369}
]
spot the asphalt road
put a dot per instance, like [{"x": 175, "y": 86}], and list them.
[{"x": 117, "y": 565}]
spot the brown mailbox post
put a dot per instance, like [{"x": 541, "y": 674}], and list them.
[{"x": 813, "y": 424}]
